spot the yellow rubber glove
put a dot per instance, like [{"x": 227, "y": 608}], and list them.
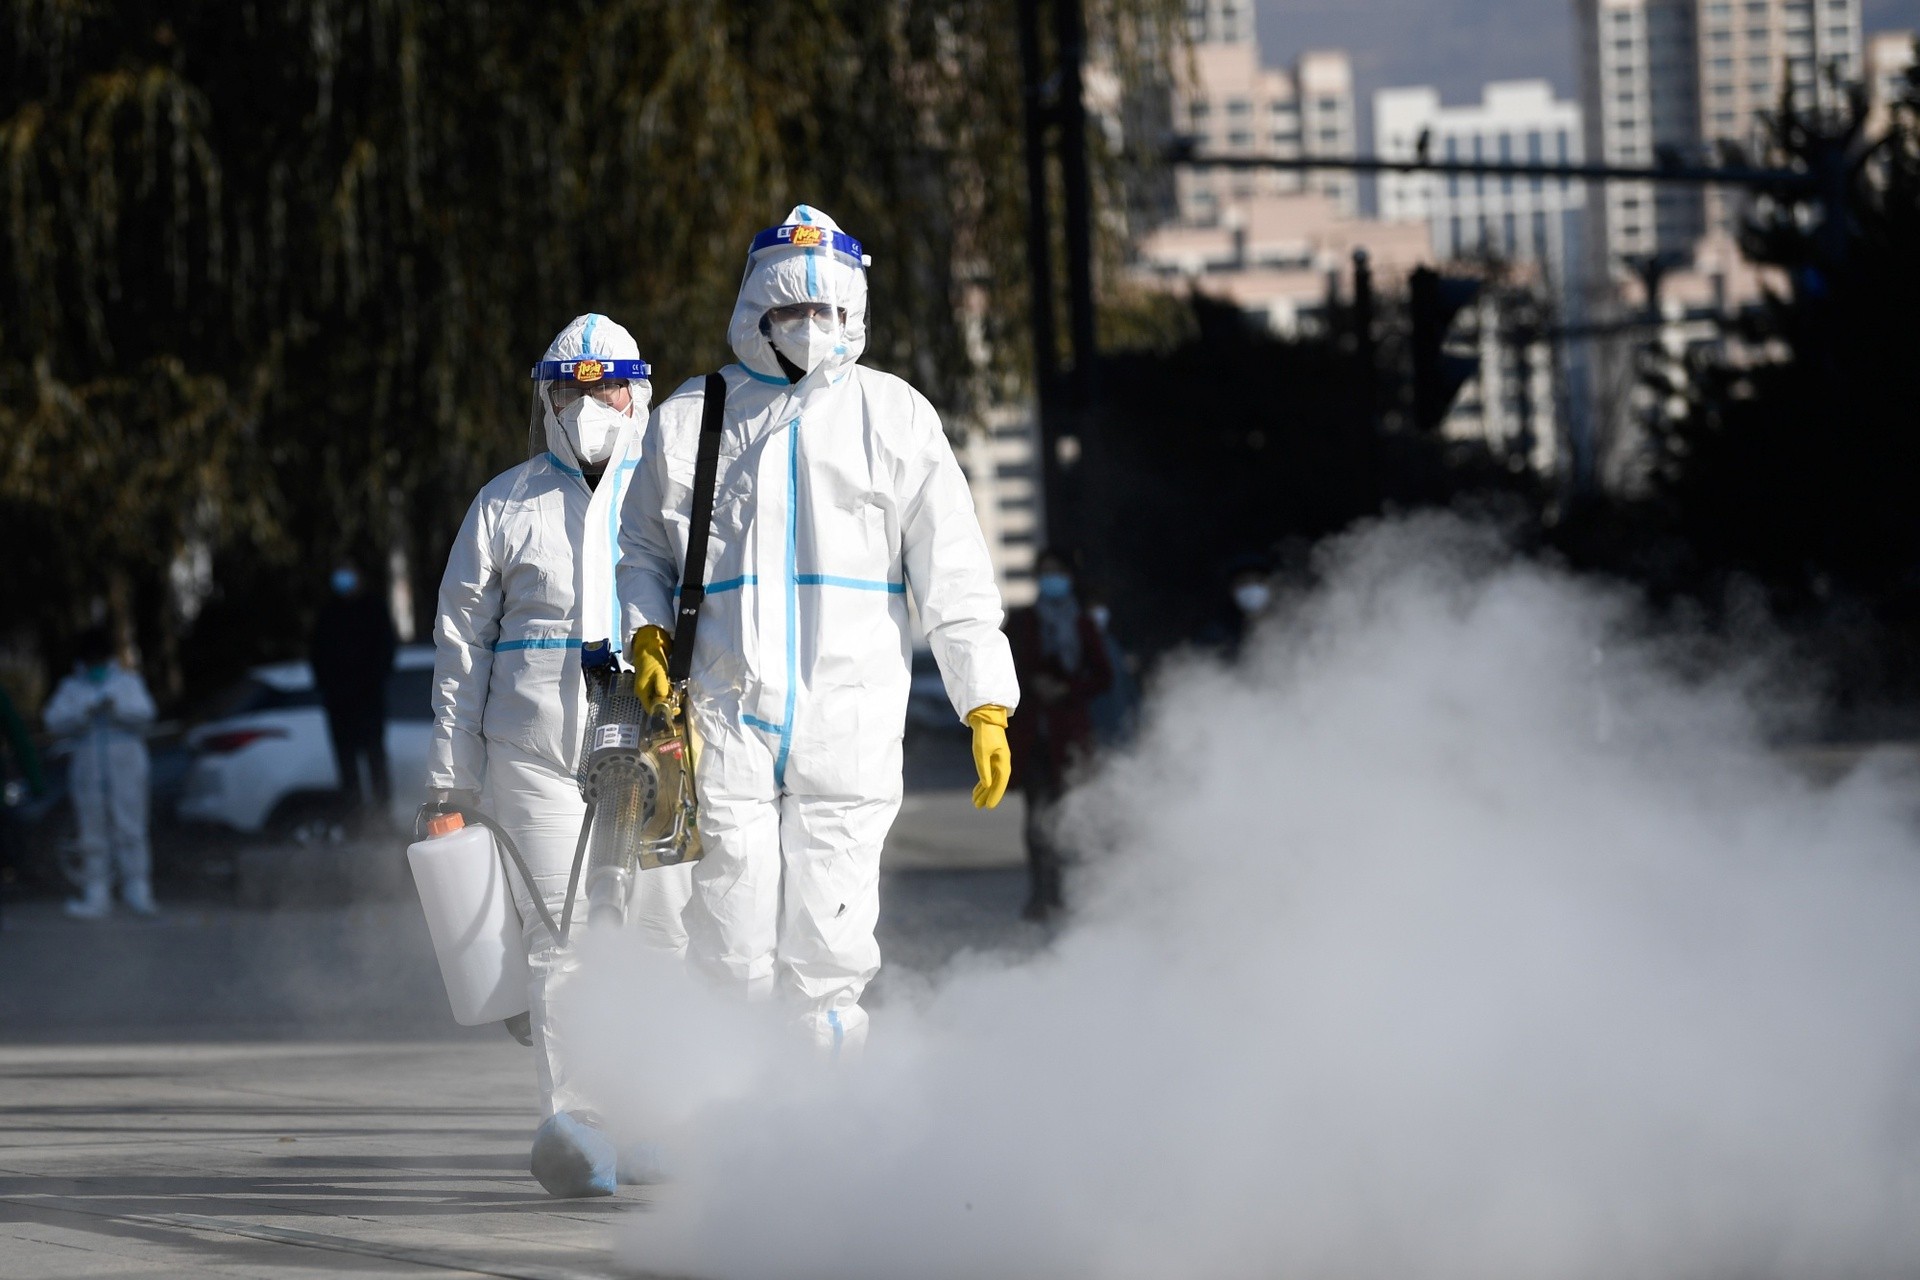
[
  {"x": 992, "y": 758},
  {"x": 647, "y": 654}
]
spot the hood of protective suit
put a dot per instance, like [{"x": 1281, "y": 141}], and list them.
[
  {"x": 587, "y": 337},
  {"x": 788, "y": 273}
]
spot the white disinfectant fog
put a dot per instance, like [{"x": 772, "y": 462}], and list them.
[{"x": 1420, "y": 944}]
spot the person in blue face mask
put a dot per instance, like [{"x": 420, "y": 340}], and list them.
[
  {"x": 102, "y": 712},
  {"x": 1061, "y": 659},
  {"x": 352, "y": 655}
]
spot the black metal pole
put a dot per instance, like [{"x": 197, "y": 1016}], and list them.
[
  {"x": 1782, "y": 181},
  {"x": 1046, "y": 337},
  {"x": 1070, "y": 38},
  {"x": 1363, "y": 352}
]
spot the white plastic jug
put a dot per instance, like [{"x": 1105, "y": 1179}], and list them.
[{"x": 471, "y": 917}]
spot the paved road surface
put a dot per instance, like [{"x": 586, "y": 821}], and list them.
[{"x": 239, "y": 1092}]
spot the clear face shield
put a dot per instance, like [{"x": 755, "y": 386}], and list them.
[
  {"x": 589, "y": 400},
  {"x": 812, "y": 280}
]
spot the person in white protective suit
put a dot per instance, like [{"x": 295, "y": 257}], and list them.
[
  {"x": 529, "y": 579},
  {"x": 103, "y": 711},
  {"x": 837, "y": 494}
]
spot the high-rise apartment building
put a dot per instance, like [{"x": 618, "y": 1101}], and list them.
[
  {"x": 1677, "y": 77},
  {"x": 1220, "y": 21},
  {"x": 1233, "y": 104},
  {"x": 1328, "y": 126},
  {"x": 1640, "y": 99},
  {"x": 1890, "y": 59},
  {"x": 1751, "y": 51},
  {"x": 1534, "y": 220}
]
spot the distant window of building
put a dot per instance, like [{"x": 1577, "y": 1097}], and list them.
[
  {"x": 1240, "y": 138},
  {"x": 1329, "y": 136},
  {"x": 1540, "y": 234},
  {"x": 1454, "y": 232},
  {"x": 1199, "y": 109},
  {"x": 1238, "y": 106},
  {"x": 1328, "y": 105}
]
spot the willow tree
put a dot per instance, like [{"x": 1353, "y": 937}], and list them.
[{"x": 274, "y": 272}]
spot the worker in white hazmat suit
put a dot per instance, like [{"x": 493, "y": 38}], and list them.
[
  {"x": 837, "y": 494},
  {"x": 529, "y": 579},
  {"x": 103, "y": 711}
]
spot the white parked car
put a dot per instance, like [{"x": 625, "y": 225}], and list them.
[{"x": 263, "y": 761}]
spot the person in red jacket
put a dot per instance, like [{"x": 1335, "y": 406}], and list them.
[{"x": 1061, "y": 659}]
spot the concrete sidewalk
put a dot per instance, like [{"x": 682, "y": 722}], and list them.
[
  {"x": 226, "y": 1091},
  {"x": 280, "y": 1160}
]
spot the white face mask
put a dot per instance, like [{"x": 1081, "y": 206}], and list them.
[
  {"x": 591, "y": 429},
  {"x": 806, "y": 342},
  {"x": 1252, "y": 597}
]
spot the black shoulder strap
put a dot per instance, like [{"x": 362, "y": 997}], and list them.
[{"x": 693, "y": 586}]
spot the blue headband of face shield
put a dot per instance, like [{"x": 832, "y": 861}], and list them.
[
  {"x": 590, "y": 369},
  {"x": 800, "y": 235}
]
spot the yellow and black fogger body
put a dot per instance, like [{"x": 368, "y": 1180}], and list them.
[{"x": 636, "y": 774}]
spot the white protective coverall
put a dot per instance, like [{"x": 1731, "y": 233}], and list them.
[
  {"x": 104, "y": 719},
  {"x": 529, "y": 578},
  {"x": 836, "y": 496}
]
